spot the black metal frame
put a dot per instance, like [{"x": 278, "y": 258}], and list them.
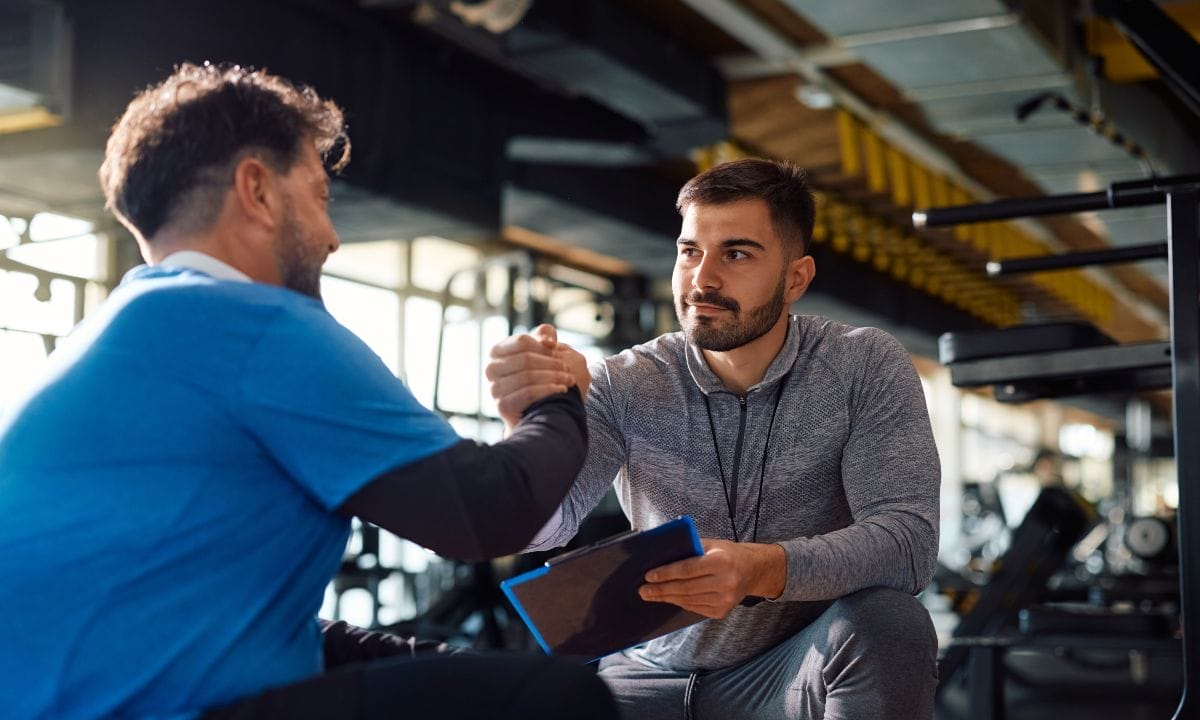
[
  {"x": 1182, "y": 197},
  {"x": 1063, "y": 261},
  {"x": 1166, "y": 45}
]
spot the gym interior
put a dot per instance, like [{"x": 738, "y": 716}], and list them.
[{"x": 1009, "y": 188}]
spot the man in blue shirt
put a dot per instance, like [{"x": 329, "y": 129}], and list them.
[{"x": 177, "y": 491}]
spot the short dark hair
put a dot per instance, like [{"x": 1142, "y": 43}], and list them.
[
  {"x": 782, "y": 185},
  {"x": 171, "y": 155}
]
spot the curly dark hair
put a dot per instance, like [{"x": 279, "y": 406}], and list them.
[
  {"x": 783, "y": 186},
  {"x": 171, "y": 156}
]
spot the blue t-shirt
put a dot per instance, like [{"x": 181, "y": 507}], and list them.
[{"x": 166, "y": 496}]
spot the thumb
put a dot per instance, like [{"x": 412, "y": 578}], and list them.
[{"x": 546, "y": 334}]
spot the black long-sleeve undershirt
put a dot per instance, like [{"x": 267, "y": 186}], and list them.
[{"x": 474, "y": 501}]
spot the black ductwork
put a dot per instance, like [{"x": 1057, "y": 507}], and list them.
[
  {"x": 597, "y": 50},
  {"x": 429, "y": 121}
]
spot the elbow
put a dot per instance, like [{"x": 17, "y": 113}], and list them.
[
  {"x": 923, "y": 570},
  {"x": 507, "y": 524},
  {"x": 924, "y": 564},
  {"x": 502, "y": 541}
]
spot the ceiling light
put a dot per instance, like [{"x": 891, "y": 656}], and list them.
[{"x": 814, "y": 96}]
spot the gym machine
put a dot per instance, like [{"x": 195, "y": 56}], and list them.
[{"x": 1049, "y": 366}]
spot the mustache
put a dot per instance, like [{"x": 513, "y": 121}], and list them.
[{"x": 711, "y": 298}]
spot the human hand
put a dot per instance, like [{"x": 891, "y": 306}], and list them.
[
  {"x": 577, "y": 365},
  {"x": 527, "y": 368},
  {"x": 715, "y": 582}
]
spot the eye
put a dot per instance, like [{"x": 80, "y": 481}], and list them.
[
  {"x": 688, "y": 251},
  {"x": 738, "y": 255}
]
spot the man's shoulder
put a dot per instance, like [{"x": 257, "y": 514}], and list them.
[
  {"x": 190, "y": 312},
  {"x": 659, "y": 358},
  {"x": 147, "y": 287},
  {"x": 836, "y": 341},
  {"x": 661, "y": 354}
]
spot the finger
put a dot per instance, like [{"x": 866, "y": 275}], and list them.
[
  {"x": 562, "y": 349},
  {"x": 694, "y": 586},
  {"x": 651, "y": 594},
  {"x": 518, "y": 344},
  {"x": 709, "y": 606},
  {"x": 513, "y": 364},
  {"x": 510, "y": 384},
  {"x": 546, "y": 334},
  {"x": 682, "y": 570}
]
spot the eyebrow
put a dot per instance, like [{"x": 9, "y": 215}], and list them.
[{"x": 727, "y": 244}]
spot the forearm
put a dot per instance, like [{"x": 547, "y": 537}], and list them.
[
  {"x": 880, "y": 551},
  {"x": 475, "y": 501}
]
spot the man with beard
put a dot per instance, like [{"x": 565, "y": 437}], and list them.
[
  {"x": 802, "y": 449},
  {"x": 177, "y": 491}
]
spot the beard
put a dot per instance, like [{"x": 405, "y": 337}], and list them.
[
  {"x": 299, "y": 265},
  {"x": 740, "y": 329}
]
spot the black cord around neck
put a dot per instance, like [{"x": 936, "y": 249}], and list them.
[{"x": 762, "y": 470}]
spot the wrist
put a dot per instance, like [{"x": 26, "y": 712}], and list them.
[{"x": 770, "y": 576}]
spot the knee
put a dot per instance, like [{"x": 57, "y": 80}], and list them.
[{"x": 885, "y": 618}]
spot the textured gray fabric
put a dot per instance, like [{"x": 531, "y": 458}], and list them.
[
  {"x": 872, "y": 654},
  {"x": 851, "y": 484}
]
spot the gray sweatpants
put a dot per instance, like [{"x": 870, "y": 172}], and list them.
[{"x": 872, "y": 654}]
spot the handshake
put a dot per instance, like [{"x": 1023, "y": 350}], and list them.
[{"x": 526, "y": 368}]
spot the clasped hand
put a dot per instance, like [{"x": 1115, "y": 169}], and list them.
[{"x": 527, "y": 368}]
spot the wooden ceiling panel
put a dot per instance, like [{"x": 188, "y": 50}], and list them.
[{"x": 764, "y": 113}]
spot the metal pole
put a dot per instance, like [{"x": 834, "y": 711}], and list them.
[
  {"x": 1085, "y": 258},
  {"x": 1130, "y": 193},
  {"x": 1183, "y": 239}
]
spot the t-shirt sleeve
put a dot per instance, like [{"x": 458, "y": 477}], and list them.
[{"x": 328, "y": 410}]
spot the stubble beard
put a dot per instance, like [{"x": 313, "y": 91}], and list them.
[
  {"x": 299, "y": 268},
  {"x": 709, "y": 333}
]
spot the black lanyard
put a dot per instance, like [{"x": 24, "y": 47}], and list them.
[{"x": 762, "y": 471}]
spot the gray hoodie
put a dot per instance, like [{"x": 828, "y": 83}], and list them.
[{"x": 851, "y": 472}]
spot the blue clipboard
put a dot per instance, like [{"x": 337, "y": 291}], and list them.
[{"x": 585, "y": 603}]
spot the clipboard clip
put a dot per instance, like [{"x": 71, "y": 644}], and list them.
[{"x": 590, "y": 548}]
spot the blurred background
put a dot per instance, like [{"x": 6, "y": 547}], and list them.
[{"x": 516, "y": 162}]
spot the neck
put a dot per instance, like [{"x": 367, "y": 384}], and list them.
[
  {"x": 167, "y": 242},
  {"x": 228, "y": 247},
  {"x": 744, "y": 367}
]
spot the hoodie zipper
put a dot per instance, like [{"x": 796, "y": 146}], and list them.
[{"x": 737, "y": 457}]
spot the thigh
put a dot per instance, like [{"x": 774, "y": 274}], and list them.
[
  {"x": 491, "y": 687},
  {"x": 783, "y": 683},
  {"x": 644, "y": 692},
  {"x": 871, "y": 654}
]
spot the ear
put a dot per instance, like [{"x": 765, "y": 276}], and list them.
[
  {"x": 257, "y": 193},
  {"x": 800, "y": 272}
]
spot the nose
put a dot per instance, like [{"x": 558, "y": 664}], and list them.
[
  {"x": 334, "y": 243},
  {"x": 706, "y": 274}
]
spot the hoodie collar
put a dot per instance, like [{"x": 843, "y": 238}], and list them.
[{"x": 709, "y": 383}]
